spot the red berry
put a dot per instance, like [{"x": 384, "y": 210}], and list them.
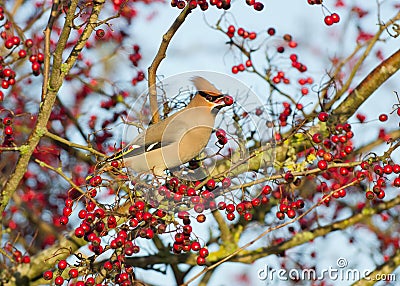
[
  {"x": 322, "y": 164},
  {"x": 195, "y": 246},
  {"x": 300, "y": 204},
  {"x": 181, "y": 4},
  {"x": 35, "y": 66},
  {"x": 289, "y": 177},
  {"x": 335, "y": 18},
  {"x": 317, "y": 138},
  {"x": 370, "y": 195},
  {"x": 203, "y": 252},
  {"x": 100, "y": 33},
  {"x": 95, "y": 181},
  {"x": 381, "y": 194},
  {"x": 210, "y": 184},
  {"x": 28, "y": 43},
  {"x": 79, "y": 232},
  {"x": 26, "y": 259},
  {"x": 323, "y": 116},
  {"x": 283, "y": 208},
  {"x": 388, "y": 169},
  {"x": 192, "y": 4},
  {"x": 62, "y": 264},
  {"x": 226, "y": 183},
  {"x": 200, "y": 261},
  {"x": 59, "y": 280},
  {"x": 266, "y": 190},
  {"x": 383, "y": 117},
  {"x": 22, "y": 53},
  {"x": 8, "y": 130},
  {"x": 201, "y": 218},
  {"x": 258, "y": 6},
  {"x": 15, "y": 40},
  {"x": 378, "y": 170},
  {"x": 5, "y": 84},
  {"x": 235, "y": 70},
  {"x": 64, "y": 220},
  {"x": 73, "y": 273},
  {"x": 328, "y": 20},
  {"x": 252, "y": 35},
  {"x": 271, "y": 31},
  {"x": 291, "y": 213},
  {"x": 221, "y": 205},
  {"x": 280, "y": 215},
  {"x": 304, "y": 91},
  {"x": 8, "y": 44},
  {"x": 230, "y": 216},
  {"x": 248, "y": 216},
  {"x": 396, "y": 182},
  {"x": 48, "y": 275}
]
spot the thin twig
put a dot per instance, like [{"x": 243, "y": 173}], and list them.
[
  {"x": 74, "y": 145},
  {"x": 61, "y": 173},
  {"x": 161, "y": 54},
  {"x": 47, "y": 34}
]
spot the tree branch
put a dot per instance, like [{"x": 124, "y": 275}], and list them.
[
  {"x": 161, "y": 54},
  {"x": 367, "y": 87},
  {"x": 44, "y": 112}
]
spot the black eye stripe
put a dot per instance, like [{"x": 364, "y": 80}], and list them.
[{"x": 209, "y": 97}]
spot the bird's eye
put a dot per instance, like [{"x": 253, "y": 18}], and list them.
[{"x": 209, "y": 98}]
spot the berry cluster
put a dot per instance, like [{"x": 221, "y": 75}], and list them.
[
  {"x": 303, "y": 82},
  {"x": 241, "y": 67},
  {"x": 331, "y": 19},
  {"x": 280, "y": 77},
  {"x": 140, "y": 221},
  {"x": 287, "y": 208},
  {"x": 258, "y": 6},
  {"x": 283, "y": 116},
  {"x": 242, "y": 33},
  {"x": 17, "y": 255},
  {"x": 8, "y": 139},
  {"x": 328, "y": 19},
  {"x": 203, "y": 4},
  {"x": 314, "y": 2},
  {"x": 12, "y": 42},
  {"x": 296, "y": 64},
  {"x": 135, "y": 58},
  {"x": 244, "y": 208},
  {"x": 220, "y": 4},
  {"x": 381, "y": 173}
]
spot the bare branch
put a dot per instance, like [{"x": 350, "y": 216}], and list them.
[{"x": 161, "y": 54}]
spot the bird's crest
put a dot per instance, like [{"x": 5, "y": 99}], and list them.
[{"x": 204, "y": 85}]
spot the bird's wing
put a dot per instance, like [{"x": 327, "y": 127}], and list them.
[
  {"x": 151, "y": 141},
  {"x": 135, "y": 150}
]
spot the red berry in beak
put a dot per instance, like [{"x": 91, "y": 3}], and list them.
[{"x": 228, "y": 100}]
